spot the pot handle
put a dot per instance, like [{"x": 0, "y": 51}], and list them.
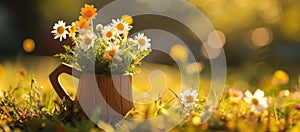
[{"x": 63, "y": 68}]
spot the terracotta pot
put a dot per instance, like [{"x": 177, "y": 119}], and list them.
[{"x": 109, "y": 93}]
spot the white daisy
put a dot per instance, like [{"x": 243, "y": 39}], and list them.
[
  {"x": 108, "y": 33},
  {"x": 142, "y": 41},
  {"x": 189, "y": 98},
  {"x": 256, "y": 102},
  {"x": 87, "y": 40},
  {"x": 111, "y": 51},
  {"x": 120, "y": 26},
  {"x": 60, "y": 30},
  {"x": 235, "y": 95}
]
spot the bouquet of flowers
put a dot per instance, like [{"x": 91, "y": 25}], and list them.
[{"x": 106, "y": 51}]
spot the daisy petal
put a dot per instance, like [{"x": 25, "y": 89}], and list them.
[
  {"x": 248, "y": 94},
  {"x": 259, "y": 93}
]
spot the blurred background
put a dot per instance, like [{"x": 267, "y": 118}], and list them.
[
  {"x": 252, "y": 30},
  {"x": 263, "y": 35}
]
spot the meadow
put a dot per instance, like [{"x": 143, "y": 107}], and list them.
[{"x": 270, "y": 102}]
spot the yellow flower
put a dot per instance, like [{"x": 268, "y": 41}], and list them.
[
  {"x": 88, "y": 11},
  {"x": 280, "y": 77},
  {"x": 59, "y": 30},
  {"x": 82, "y": 23},
  {"x": 72, "y": 29},
  {"x": 127, "y": 19},
  {"x": 256, "y": 102}
]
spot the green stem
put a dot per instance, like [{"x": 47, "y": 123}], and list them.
[
  {"x": 128, "y": 48},
  {"x": 92, "y": 25},
  {"x": 275, "y": 105},
  {"x": 30, "y": 93}
]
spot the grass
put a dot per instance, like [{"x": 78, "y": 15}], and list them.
[{"x": 29, "y": 104}]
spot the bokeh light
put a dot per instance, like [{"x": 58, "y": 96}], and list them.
[
  {"x": 210, "y": 53},
  {"x": 214, "y": 42},
  {"x": 179, "y": 52},
  {"x": 196, "y": 120},
  {"x": 280, "y": 77},
  {"x": 28, "y": 45},
  {"x": 261, "y": 37},
  {"x": 195, "y": 67},
  {"x": 270, "y": 11}
]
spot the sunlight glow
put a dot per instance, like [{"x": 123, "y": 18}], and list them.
[
  {"x": 213, "y": 42},
  {"x": 28, "y": 45},
  {"x": 179, "y": 52},
  {"x": 261, "y": 37}
]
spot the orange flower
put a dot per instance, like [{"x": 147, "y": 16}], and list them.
[
  {"x": 82, "y": 23},
  {"x": 88, "y": 11}
]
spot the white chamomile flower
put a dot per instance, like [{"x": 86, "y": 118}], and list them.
[
  {"x": 108, "y": 33},
  {"x": 256, "y": 102},
  {"x": 111, "y": 51},
  {"x": 142, "y": 41},
  {"x": 189, "y": 98},
  {"x": 120, "y": 26},
  {"x": 87, "y": 40},
  {"x": 60, "y": 30}
]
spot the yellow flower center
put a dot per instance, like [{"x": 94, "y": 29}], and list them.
[
  {"x": 109, "y": 34},
  {"x": 120, "y": 26},
  {"x": 189, "y": 99},
  {"x": 87, "y": 41},
  {"x": 73, "y": 29},
  {"x": 254, "y": 101},
  {"x": 142, "y": 42},
  {"x": 112, "y": 52},
  {"x": 60, "y": 30},
  {"x": 107, "y": 57},
  {"x": 22, "y": 72},
  {"x": 235, "y": 95}
]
